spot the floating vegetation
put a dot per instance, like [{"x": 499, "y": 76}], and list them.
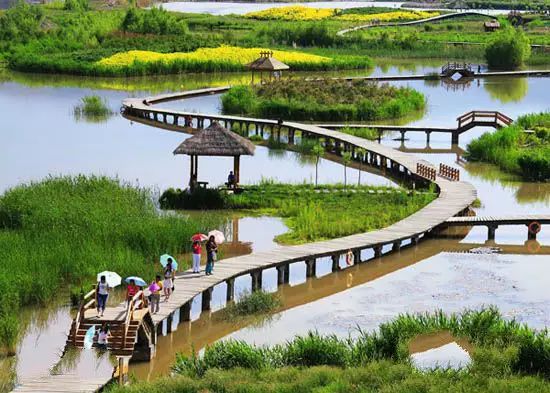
[{"x": 93, "y": 108}]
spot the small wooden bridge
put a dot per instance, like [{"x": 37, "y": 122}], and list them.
[
  {"x": 465, "y": 122},
  {"x": 463, "y": 69},
  {"x": 533, "y": 222}
]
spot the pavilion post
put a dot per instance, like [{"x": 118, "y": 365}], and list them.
[
  {"x": 192, "y": 170},
  {"x": 236, "y": 168}
]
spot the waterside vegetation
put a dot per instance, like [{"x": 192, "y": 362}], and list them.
[
  {"x": 313, "y": 213},
  {"x": 522, "y": 148},
  {"x": 507, "y": 356},
  {"x": 323, "y": 100},
  {"x": 60, "y": 232}
]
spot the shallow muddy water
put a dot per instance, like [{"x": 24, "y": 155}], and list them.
[{"x": 41, "y": 137}]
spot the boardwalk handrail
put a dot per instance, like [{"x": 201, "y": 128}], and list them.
[
  {"x": 498, "y": 119},
  {"x": 453, "y": 66},
  {"x": 82, "y": 310},
  {"x": 426, "y": 171},
  {"x": 449, "y": 172},
  {"x": 135, "y": 303}
]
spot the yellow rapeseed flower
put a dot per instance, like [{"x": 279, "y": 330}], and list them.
[
  {"x": 388, "y": 16},
  {"x": 293, "y": 12},
  {"x": 229, "y": 54}
]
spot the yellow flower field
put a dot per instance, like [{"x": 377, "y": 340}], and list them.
[
  {"x": 293, "y": 12},
  {"x": 388, "y": 16},
  {"x": 229, "y": 54}
]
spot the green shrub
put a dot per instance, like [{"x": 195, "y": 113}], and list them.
[
  {"x": 20, "y": 23},
  {"x": 314, "y": 350},
  {"x": 153, "y": 21},
  {"x": 76, "y": 5},
  {"x": 509, "y": 49},
  {"x": 231, "y": 354},
  {"x": 258, "y": 302},
  {"x": 199, "y": 199}
]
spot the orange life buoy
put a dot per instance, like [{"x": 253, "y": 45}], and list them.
[
  {"x": 349, "y": 258},
  {"x": 534, "y": 227}
]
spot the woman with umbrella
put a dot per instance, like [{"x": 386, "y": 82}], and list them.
[
  {"x": 169, "y": 274},
  {"x": 197, "y": 249},
  {"x": 106, "y": 281},
  {"x": 211, "y": 250}
]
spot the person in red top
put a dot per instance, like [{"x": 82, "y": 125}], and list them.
[
  {"x": 131, "y": 290},
  {"x": 197, "y": 256}
]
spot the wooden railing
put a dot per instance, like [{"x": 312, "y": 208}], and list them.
[
  {"x": 425, "y": 171},
  {"x": 453, "y": 66},
  {"x": 136, "y": 303},
  {"x": 471, "y": 117},
  {"x": 82, "y": 310},
  {"x": 449, "y": 172}
]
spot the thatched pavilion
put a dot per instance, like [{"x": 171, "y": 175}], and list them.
[
  {"x": 215, "y": 140},
  {"x": 267, "y": 63}
]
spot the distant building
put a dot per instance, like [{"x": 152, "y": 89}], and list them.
[{"x": 492, "y": 25}]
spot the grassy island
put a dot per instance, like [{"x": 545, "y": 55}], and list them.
[
  {"x": 522, "y": 148},
  {"x": 323, "y": 100},
  {"x": 506, "y": 356},
  {"x": 314, "y": 213}
]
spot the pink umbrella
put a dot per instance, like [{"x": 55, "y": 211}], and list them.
[{"x": 199, "y": 237}]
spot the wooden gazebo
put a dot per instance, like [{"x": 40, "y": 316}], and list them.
[
  {"x": 267, "y": 63},
  {"x": 215, "y": 140}
]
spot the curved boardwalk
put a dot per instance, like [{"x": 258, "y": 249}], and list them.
[
  {"x": 454, "y": 198},
  {"x": 416, "y": 22}
]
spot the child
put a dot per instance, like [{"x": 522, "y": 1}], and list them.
[
  {"x": 168, "y": 283},
  {"x": 103, "y": 336}
]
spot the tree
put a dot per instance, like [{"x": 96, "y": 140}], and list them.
[
  {"x": 346, "y": 159},
  {"x": 361, "y": 154},
  {"x": 318, "y": 151},
  {"x": 508, "y": 50}
]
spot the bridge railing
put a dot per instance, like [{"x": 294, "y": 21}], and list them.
[
  {"x": 492, "y": 116},
  {"x": 136, "y": 303},
  {"x": 85, "y": 304},
  {"x": 426, "y": 171},
  {"x": 449, "y": 172},
  {"x": 454, "y": 66}
]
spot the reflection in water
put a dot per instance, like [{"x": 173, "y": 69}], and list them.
[
  {"x": 439, "y": 350},
  {"x": 506, "y": 90}
]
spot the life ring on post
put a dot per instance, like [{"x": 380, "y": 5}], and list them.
[
  {"x": 534, "y": 227},
  {"x": 349, "y": 258}
]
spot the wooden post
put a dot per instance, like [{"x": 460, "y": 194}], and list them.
[
  {"x": 256, "y": 280},
  {"x": 185, "y": 312},
  {"x": 310, "y": 267},
  {"x": 281, "y": 274},
  {"x": 396, "y": 245},
  {"x": 237, "y": 169},
  {"x": 356, "y": 257},
  {"x": 335, "y": 263},
  {"x": 192, "y": 170},
  {"x": 122, "y": 369},
  {"x": 169, "y": 322},
  {"x": 428, "y": 133},
  {"x": 454, "y": 139},
  {"x": 230, "y": 289},
  {"x": 206, "y": 299},
  {"x": 377, "y": 251},
  {"x": 491, "y": 229},
  {"x": 531, "y": 235},
  {"x": 415, "y": 239}
]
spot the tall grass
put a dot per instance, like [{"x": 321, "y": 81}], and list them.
[
  {"x": 514, "y": 150},
  {"x": 327, "y": 100},
  {"x": 60, "y": 232},
  {"x": 501, "y": 347}
]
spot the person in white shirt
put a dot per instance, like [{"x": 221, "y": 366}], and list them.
[
  {"x": 103, "y": 336},
  {"x": 102, "y": 293}
]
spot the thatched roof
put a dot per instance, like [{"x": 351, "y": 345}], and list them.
[
  {"x": 216, "y": 141},
  {"x": 266, "y": 62}
]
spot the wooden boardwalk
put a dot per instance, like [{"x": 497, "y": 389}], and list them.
[
  {"x": 523, "y": 219},
  {"x": 454, "y": 198}
]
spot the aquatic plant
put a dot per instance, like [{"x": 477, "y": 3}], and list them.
[
  {"x": 92, "y": 108},
  {"x": 508, "y": 50},
  {"x": 254, "y": 303}
]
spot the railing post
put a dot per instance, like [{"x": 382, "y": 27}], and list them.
[
  {"x": 185, "y": 312},
  {"x": 230, "y": 290},
  {"x": 335, "y": 262},
  {"x": 310, "y": 267},
  {"x": 206, "y": 299}
]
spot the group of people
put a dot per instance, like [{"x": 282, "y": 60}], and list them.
[{"x": 211, "y": 255}]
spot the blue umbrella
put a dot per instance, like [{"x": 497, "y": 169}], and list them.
[
  {"x": 164, "y": 261},
  {"x": 140, "y": 282},
  {"x": 89, "y": 337}
]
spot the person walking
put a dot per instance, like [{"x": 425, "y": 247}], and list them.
[
  {"x": 211, "y": 250},
  {"x": 168, "y": 284},
  {"x": 197, "y": 249},
  {"x": 102, "y": 294},
  {"x": 131, "y": 291},
  {"x": 103, "y": 336},
  {"x": 155, "y": 288}
]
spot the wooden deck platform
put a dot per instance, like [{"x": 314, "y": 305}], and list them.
[
  {"x": 524, "y": 219},
  {"x": 65, "y": 383}
]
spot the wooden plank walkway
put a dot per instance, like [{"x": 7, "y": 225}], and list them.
[
  {"x": 453, "y": 198},
  {"x": 524, "y": 219},
  {"x": 64, "y": 383}
]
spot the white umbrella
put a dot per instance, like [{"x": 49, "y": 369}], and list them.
[
  {"x": 112, "y": 278},
  {"x": 218, "y": 236}
]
